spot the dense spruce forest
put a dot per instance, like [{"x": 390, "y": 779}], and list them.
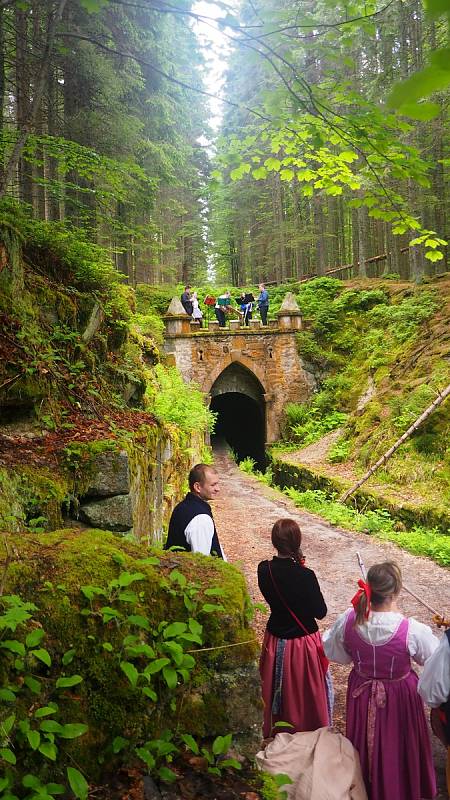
[
  {"x": 332, "y": 149},
  {"x": 148, "y": 146}
]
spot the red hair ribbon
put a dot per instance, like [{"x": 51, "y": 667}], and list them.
[{"x": 364, "y": 588}]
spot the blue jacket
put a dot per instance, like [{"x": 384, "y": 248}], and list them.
[{"x": 263, "y": 299}]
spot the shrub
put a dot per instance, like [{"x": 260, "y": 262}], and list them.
[
  {"x": 174, "y": 401},
  {"x": 403, "y": 319},
  {"x": 150, "y": 324},
  {"x": 309, "y": 349},
  {"x": 315, "y": 427},
  {"x": 339, "y": 451},
  {"x": 154, "y": 299}
]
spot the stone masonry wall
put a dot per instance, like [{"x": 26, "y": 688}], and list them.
[{"x": 270, "y": 354}]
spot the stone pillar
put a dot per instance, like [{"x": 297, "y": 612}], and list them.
[
  {"x": 175, "y": 319},
  {"x": 289, "y": 315}
]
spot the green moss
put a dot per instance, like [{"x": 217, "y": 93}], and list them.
[
  {"x": 50, "y": 570},
  {"x": 28, "y": 493}
]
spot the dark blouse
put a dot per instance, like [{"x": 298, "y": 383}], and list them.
[{"x": 300, "y": 589}]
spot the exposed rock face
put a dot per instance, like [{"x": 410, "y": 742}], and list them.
[
  {"x": 112, "y": 474},
  {"x": 111, "y": 513},
  {"x": 95, "y": 321}
]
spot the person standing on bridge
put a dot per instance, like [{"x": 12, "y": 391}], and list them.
[
  {"x": 385, "y": 716},
  {"x": 186, "y": 301},
  {"x": 191, "y": 525},
  {"x": 197, "y": 314},
  {"x": 293, "y": 666},
  {"x": 263, "y": 303},
  {"x": 221, "y": 307}
]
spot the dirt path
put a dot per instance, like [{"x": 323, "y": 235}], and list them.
[{"x": 245, "y": 513}]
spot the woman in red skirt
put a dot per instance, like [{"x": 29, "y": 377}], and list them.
[{"x": 293, "y": 666}]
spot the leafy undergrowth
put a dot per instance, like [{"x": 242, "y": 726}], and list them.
[
  {"x": 73, "y": 343},
  {"x": 192, "y": 782},
  {"x": 379, "y": 350}
]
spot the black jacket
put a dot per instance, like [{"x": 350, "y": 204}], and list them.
[{"x": 299, "y": 588}]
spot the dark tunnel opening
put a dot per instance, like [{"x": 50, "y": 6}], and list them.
[{"x": 240, "y": 422}]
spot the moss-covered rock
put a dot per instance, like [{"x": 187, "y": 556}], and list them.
[{"x": 223, "y": 692}]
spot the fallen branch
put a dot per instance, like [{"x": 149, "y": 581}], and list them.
[
  {"x": 11, "y": 380},
  {"x": 440, "y": 399}
]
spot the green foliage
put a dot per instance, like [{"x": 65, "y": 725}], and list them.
[
  {"x": 271, "y": 785},
  {"x": 339, "y": 451},
  {"x": 154, "y": 298},
  {"x": 34, "y": 726},
  {"x": 310, "y": 350},
  {"x": 305, "y": 423},
  {"x": 64, "y": 253},
  {"x": 247, "y": 465},
  {"x": 215, "y": 756},
  {"x": 175, "y": 402},
  {"x": 405, "y": 318},
  {"x": 404, "y": 411},
  {"x": 150, "y": 324},
  {"x": 420, "y": 541},
  {"x": 154, "y": 658}
]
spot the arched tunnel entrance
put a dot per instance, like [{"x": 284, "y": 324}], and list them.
[{"x": 238, "y": 399}]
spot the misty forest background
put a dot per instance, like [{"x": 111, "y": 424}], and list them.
[{"x": 331, "y": 151}]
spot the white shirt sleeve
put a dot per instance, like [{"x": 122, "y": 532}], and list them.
[
  {"x": 333, "y": 641},
  {"x": 421, "y": 641},
  {"x": 434, "y": 683},
  {"x": 199, "y": 534}
]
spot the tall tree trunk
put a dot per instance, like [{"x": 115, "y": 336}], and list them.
[
  {"x": 22, "y": 99},
  {"x": 321, "y": 264},
  {"x": 54, "y": 210},
  {"x": 13, "y": 160},
  {"x": 362, "y": 240},
  {"x": 278, "y": 214}
]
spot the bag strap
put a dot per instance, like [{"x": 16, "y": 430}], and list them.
[{"x": 308, "y": 633}]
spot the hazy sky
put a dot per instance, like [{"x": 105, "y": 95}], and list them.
[{"x": 216, "y": 47}]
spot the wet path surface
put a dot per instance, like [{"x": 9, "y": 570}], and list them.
[{"x": 245, "y": 513}]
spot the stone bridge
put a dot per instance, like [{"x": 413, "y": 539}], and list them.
[{"x": 247, "y": 373}]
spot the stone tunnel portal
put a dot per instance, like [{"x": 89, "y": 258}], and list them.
[{"x": 238, "y": 399}]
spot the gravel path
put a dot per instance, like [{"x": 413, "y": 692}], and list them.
[{"x": 245, "y": 512}]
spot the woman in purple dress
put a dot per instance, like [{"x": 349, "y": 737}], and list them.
[{"x": 385, "y": 715}]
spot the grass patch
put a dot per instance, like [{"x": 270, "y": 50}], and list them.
[{"x": 420, "y": 541}]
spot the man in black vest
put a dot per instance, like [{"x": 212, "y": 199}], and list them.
[{"x": 191, "y": 525}]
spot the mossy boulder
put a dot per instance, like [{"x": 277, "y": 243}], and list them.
[{"x": 220, "y": 695}]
